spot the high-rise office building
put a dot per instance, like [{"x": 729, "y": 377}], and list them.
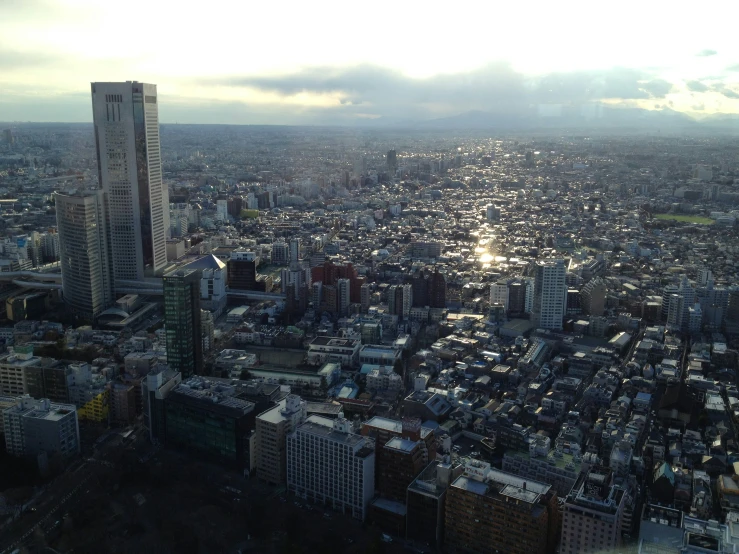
[
  {"x": 550, "y": 294},
  {"x": 182, "y": 321},
  {"x": 328, "y": 463},
  {"x": 126, "y": 121},
  {"x": 392, "y": 161},
  {"x": 87, "y": 286}
]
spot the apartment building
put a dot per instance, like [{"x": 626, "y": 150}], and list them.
[{"x": 495, "y": 511}]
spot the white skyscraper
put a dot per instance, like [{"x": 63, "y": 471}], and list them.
[
  {"x": 83, "y": 253},
  {"x": 126, "y": 121},
  {"x": 550, "y": 294}
]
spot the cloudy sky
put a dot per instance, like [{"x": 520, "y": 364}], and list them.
[{"x": 326, "y": 61}]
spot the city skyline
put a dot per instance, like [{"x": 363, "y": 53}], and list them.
[{"x": 308, "y": 71}]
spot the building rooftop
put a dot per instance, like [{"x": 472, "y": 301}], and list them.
[
  {"x": 468, "y": 484},
  {"x": 324, "y": 427},
  {"x": 396, "y": 443}
]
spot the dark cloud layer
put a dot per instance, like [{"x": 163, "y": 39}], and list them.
[{"x": 496, "y": 88}]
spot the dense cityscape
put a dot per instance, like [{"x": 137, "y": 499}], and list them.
[{"x": 354, "y": 339}]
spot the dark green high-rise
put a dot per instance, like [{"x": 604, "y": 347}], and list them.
[{"x": 182, "y": 322}]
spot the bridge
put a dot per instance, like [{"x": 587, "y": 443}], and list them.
[{"x": 28, "y": 279}]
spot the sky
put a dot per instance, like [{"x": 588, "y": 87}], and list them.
[{"x": 326, "y": 61}]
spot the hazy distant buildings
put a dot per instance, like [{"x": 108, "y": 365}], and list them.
[
  {"x": 126, "y": 121},
  {"x": 87, "y": 286},
  {"x": 392, "y": 161}
]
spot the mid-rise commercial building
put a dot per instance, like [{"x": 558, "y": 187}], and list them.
[
  {"x": 155, "y": 388},
  {"x": 499, "y": 294},
  {"x": 182, "y": 322},
  {"x": 420, "y": 445},
  {"x": 33, "y": 427},
  {"x": 87, "y": 283},
  {"x": 557, "y": 468},
  {"x": 206, "y": 418},
  {"x": 593, "y": 297},
  {"x": 13, "y": 376},
  {"x": 494, "y": 511},
  {"x": 401, "y": 460},
  {"x": 272, "y": 427},
  {"x": 48, "y": 378},
  {"x": 280, "y": 253},
  {"x": 334, "y": 349},
  {"x": 126, "y": 122},
  {"x": 426, "y": 500},
  {"x": 550, "y": 294},
  {"x": 592, "y": 515},
  {"x": 330, "y": 464}
]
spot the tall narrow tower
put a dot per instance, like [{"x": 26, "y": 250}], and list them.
[
  {"x": 182, "y": 321},
  {"x": 550, "y": 294},
  {"x": 126, "y": 121},
  {"x": 83, "y": 253}
]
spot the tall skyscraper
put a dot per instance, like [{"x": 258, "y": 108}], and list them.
[
  {"x": 87, "y": 285},
  {"x": 126, "y": 121},
  {"x": 343, "y": 287},
  {"x": 550, "y": 294},
  {"x": 182, "y": 321},
  {"x": 392, "y": 161}
]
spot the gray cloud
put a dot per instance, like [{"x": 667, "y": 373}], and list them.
[
  {"x": 733, "y": 68},
  {"x": 699, "y": 107},
  {"x": 496, "y": 88},
  {"x": 696, "y": 86},
  {"x": 726, "y": 91},
  {"x": 706, "y": 53}
]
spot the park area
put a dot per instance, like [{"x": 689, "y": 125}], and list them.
[{"x": 699, "y": 219}]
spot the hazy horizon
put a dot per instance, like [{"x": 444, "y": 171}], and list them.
[{"x": 329, "y": 63}]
